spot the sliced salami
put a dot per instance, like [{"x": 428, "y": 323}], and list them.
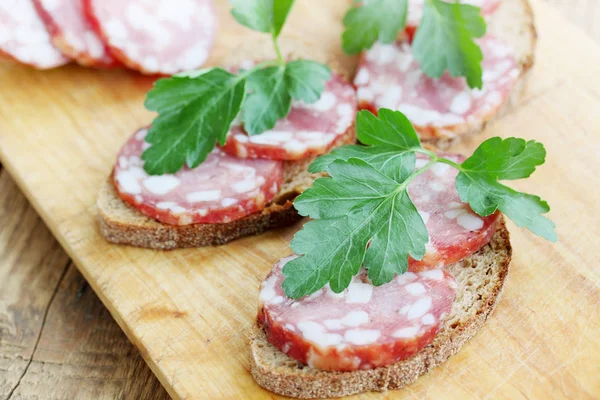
[
  {"x": 156, "y": 36},
  {"x": 415, "y": 10},
  {"x": 389, "y": 77},
  {"x": 455, "y": 231},
  {"x": 220, "y": 190},
  {"x": 308, "y": 130},
  {"x": 72, "y": 33},
  {"x": 24, "y": 38},
  {"x": 363, "y": 327}
]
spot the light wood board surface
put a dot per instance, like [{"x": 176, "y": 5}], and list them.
[{"x": 187, "y": 311}]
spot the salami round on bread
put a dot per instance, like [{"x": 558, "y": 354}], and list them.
[
  {"x": 364, "y": 327},
  {"x": 389, "y": 77},
  {"x": 222, "y": 189},
  {"x": 24, "y": 37},
  {"x": 155, "y": 36},
  {"x": 72, "y": 33},
  {"x": 309, "y": 129},
  {"x": 455, "y": 230}
]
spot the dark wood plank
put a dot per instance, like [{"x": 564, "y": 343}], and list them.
[
  {"x": 31, "y": 266},
  {"x": 57, "y": 340},
  {"x": 83, "y": 354}
]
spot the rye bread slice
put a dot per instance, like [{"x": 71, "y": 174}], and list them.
[
  {"x": 513, "y": 23},
  {"x": 480, "y": 279}
]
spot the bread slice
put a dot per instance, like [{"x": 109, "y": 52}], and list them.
[
  {"x": 121, "y": 223},
  {"x": 513, "y": 23},
  {"x": 480, "y": 279}
]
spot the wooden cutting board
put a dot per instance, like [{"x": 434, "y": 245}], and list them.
[{"x": 189, "y": 311}]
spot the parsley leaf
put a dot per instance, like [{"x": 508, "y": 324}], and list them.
[
  {"x": 510, "y": 158},
  {"x": 375, "y": 20},
  {"x": 389, "y": 128},
  {"x": 334, "y": 198},
  {"x": 270, "y": 92},
  {"x": 281, "y": 9},
  {"x": 497, "y": 159},
  {"x": 444, "y": 41},
  {"x": 306, "y": 79},
  {"x": 342, "y": 239},
  {"x": 267, "y": 16},
  {"x": 376, "y": 156},
  {"x": 194, "y": 113},
  {"x": 364, "y": 216},
  {"x": 362, "y": 205},
  {"x": 389, "y": 135},
  {"x": 267, "y": 101}
]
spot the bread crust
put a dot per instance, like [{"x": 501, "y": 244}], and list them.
[{"x": 480, "y": 279}]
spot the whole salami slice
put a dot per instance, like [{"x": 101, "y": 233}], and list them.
[
  {"x": 24, "y": 38},
  {"x": 308, "y": 130},
  {"x": 71, "y": 32},
  {"x": 389, "y": 77},
  {"x": 455, "y": 230},
  {"x": 155, "y": 36},
  {"x": 363, "y": 327},
  {"x": 415, "y": 10},
  {"x": 220, "y": 190}
]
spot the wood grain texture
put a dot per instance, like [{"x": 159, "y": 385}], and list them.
[
  {"x": 57, "y": 340},
  {"x": 27, "y": 282},
  {"x": 188, "y": 310}
]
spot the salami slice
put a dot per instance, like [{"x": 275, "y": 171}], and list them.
[
  {"x": 71, "y": 32},
  {"x": 455, "y": 231},
  {"x": 308, "y": 130},
  {"x": 155, "y": 36},
  {"x": 389, "y": 77},
  {"x": 24, "y": 38},
  {"x": 220, "y": 190},
  {"x": 363, "y": 327},
  {"x": 415, "y": 10}
]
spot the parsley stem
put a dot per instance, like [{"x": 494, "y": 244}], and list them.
[
  {"x": 280, "y": 59},
  {"x": 416, "y": 173},
  {"x": 434, "y": 157},
  {"x": 450, "y": 162}
]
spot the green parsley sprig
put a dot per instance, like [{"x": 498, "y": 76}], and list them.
[
  {"x": 443, "y": 41},
  {"x": 365, "y": 201},
  {"x": 196, "y": 109}
]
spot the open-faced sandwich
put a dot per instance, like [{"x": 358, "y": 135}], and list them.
[
  {"x": 171, "y": 187},
  {"x": 421, "y": 73},
  {"x": 404, "y": 261}
]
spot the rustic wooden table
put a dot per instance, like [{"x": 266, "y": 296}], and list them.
[{"x": 57, "y": 341}]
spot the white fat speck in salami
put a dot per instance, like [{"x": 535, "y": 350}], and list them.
[
  {"x": 435, "y": 106},
  {"x": 24, "y": 37},
  {"x": 156, "y": 36},
  {"x": 455, "y": 231},
  {"x": 209, "y": 193},
  {"x": 308, "y": 130},
  {"x": 72, "y": 33},
  {"x": 397, "y": 320},
  {"x": 415, "y": 10}
]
